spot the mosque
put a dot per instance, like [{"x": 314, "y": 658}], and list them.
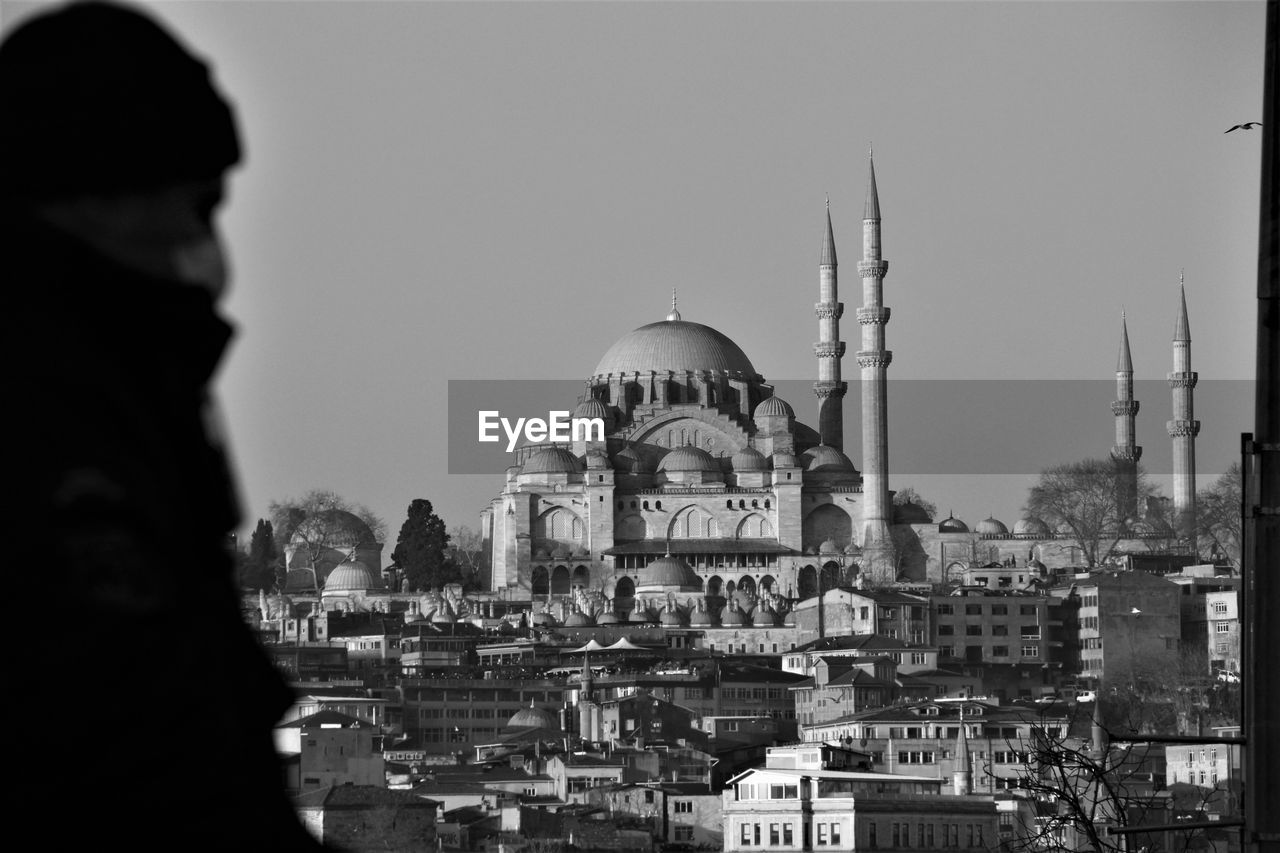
[{"x": 706, "y": 486}]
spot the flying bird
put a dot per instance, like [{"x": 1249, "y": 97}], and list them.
[{"x": 1248, "y": 125}]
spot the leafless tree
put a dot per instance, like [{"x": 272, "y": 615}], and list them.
[
  {"x": 1218, "y": 515},
  {"x": 1082, "y": 498},
  {"x": 315, "y": 523}
]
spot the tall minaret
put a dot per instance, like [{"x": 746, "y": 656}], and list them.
[
  {"x": 829, "y": 349},
  {"x": 874, "y": 360},
  {"x": 1126, "y": 451},
  {"x": 1184, "y": 427},
  {"x": 962, "y": 775}
]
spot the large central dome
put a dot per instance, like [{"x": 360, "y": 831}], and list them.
[{"x": 677, "y": 346}]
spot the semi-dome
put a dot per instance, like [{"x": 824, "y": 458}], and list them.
[
  {"x": 551, "y": 460},
  {"x": 951, "y": 524},
  {"x": 774, "y": 407},
  {"x": 669, "y": 571},
  {"x": 335, "y": 528},
  {"x": 825, "y": 458},
  {"x": 910, "y": 512},
  {"x": 991, "y": 527},
  {"x": 593, "y": 408},
  {"x": 749, "y": 459},
  {"x": 689, "y": 459},
  {"x": 534, "y": 717},
  {"x": 677, "y": 346},
  {"x": 1030, "y": 525},
  {"x": 350, "y": 575}
]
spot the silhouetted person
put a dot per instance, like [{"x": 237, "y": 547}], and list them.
[{"x": 146, "y": 710}]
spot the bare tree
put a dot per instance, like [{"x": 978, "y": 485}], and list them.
[
  {"x": 910, "y": 495},
  {"x": 1218, "y": 515},
  {"x": 1082, "y": 499},
  {"x": 318, "y": 523},
  {"x": 466, "y": 550}
]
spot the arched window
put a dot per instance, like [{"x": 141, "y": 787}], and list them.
[
  {"x": 808, "y": 582},
  {"x": 646, "y": 504},
  {"x": 624, "y": 588},
  {"x": 560, "y": 580},
  {"x": 581, "y": 577},
  {"x": 540, "y": 583},
  {"x": 657, "y": 504},
  {"x": 728, "y": 504}
]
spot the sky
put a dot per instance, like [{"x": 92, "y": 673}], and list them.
[{"x": 451, "y": 191}]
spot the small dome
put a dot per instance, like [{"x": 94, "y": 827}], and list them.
[
  {"x": 551, "y": 460},
  {"x": 774, "y": 407},
  {"x": 826, "y": 458},
  {"x": 334, "y": 528},
  {"x": 627, "y": 459},
  {"x": 561, "y": 552},
  {"x": 829, "y": 546},
  {"x": 607, "y": 618},
  {"x": 534, "y": 717},
  {"x": 1038, "y": 566},
  {"x": 749, "y": 459},
  {"x": 639, "y": 614},
  {"x": 784, "y": 460},
  {"x": 542, "y": 554},
  {"x": 669, "y": 571},
  {"x": 910, "y": 513},
  {"x": 732, "y": 616},
  {"x": 689, "y": 459},
  {"x": 1030, "y": 525},
  {"x": 350, "y": 575},
  {"x": 1064, "y": 529},
  {"x": 543, "y": 620},
  {"x": 578, "y": 619},
  {"x": 991, "y": 527},
  {"x": 699, "y": 617},
  {"x": 597, "y": 461},
  {"x": 593, "y": 408},
  {"x": 953, "y": 525},
  {"x": 671, "y": 619}
]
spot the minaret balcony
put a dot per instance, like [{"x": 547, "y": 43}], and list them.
[
  {"x": 873, "y": 316},
  {"x": 829, "y": 310},
  {"x": 829, "y": 349},
  {"x": 1182, "y": 428},
  {"x": 1127, "y": 408},
  {"x": 874, "y": 358},
  {"x": 823, "y": 390},
  {"x": 1186, "y": 379},
  {"x": 873, "y": 269},
  {"x": 1126, "y": 454}
]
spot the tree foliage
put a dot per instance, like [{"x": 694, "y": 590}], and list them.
[
  {"x": 910, "y": 495},
  {"x": 258, "y": 569},
  {"x": 312, "y": 524},
  {"x": 466, "y": 552},
  {"x": 420, "y": 549},
  {"x": 1218, "y": 515},
  {"x": 1082, "y": 499}
]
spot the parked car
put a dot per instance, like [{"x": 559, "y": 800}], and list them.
[{"x": 1087, "y": 696}]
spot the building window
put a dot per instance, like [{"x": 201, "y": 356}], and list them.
[
  {"x": 973, "y": 630},
  {"x": 946, "y": 609},
  {"x": 1000, "y": 651},
  {"x": 871, "y": 834},
  {"x": 1031, "y": 651},
  {"x": 999, "y": 630},
  {"x": 684, "y": 808},
  {"x": 946, "y": 630},
  {"x": 1219, "y": 607},
  {"x": 822, "y": 833},
  {"x": 970, "y": 610},
  {"x": 746, "y": 833},
  {"x": 999, "y": 610},
  {"x": 787, "y": 838},
  {"x": 683, "y": 833},
  {"x": 835, "y": 833},
  {"x": 1222, "y": 628}
]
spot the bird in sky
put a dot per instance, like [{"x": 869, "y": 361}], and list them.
[
  {"x": 1248, "y": 125},
  {"x": 1134, "y": 612}
]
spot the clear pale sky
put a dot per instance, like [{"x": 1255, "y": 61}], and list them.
[{"x": 439, "y": 191}]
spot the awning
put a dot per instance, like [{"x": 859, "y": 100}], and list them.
[
  {"x": 658, "y": 547},
  {"x": 591, "y": 646}
]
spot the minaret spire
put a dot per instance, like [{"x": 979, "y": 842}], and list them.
[
  {"x": 830, "y": 387},
  {"x": 874, "y": 361},
  {"x": 1183, "y": 428},
  {"x": 962, "y": 776},
  {"x": 674, "y": 315},
  {"x": 1126, "y": 452}
]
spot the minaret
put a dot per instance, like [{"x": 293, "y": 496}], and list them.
[
  {"x": 1184, "y": 427},
  {"x": 874, "y": 360},
  {"x": 962, "y": 776},
  {"x": 829, "y": 349},
  {"x": 1126, "y": 451}
]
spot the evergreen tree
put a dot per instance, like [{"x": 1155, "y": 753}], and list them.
[
  {"x": 420, "y": 549},
  {"x": 258, "y": 570}
]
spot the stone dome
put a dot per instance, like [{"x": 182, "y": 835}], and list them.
[
  {"x": 534, "y": 717},
  {"x": 699, "y": 617},
  {"x": 829, "y": 546},
  {"x": 825, "y": 458},
  {"x": 689, "y": 459},
  {"x": 782, "y": 459},
  {"x": 731, "y": 615},
  {"x": 593, "y": 408},
  {"x": 350, "y": 575},
  {"x": 627, "y": 459},
  {"x": 953, "y": 525},
  {"x": 669, "y": 571},
  {"x": 334, "y": 528},
  {"x": 774, "y": 407},
  {"x": 597, "y": 461},
  {"x": 910, "y": 513},
  {"x": 578, "y": 619},
  {"x": 749, "y": 459},
  {"x": 608, "y": 617},
  {"x": 677, "y": 346},
  {"x": 1030, "y": 525},
  {"x": 551, "y": 460},
  {"x": 671, "y": 618},
  {"x": 991, "y": 527}
]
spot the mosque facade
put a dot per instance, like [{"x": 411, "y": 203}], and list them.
[{"x": 706, "y": 476}]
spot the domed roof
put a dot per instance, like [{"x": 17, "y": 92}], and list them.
[
  {"x": 782, "y": 459},
  {"x": 350, "y": 575},
  {"x": 551, "y": 460},
  {"x": 608, "y": 617},
  {"x": 774, "y": 407},
  {"x": 991, "y": 527},
  {"x": 1030, "y": 525},
  {"x": 669, "y": 571},
  {"x": 910, "y": 513},
  {"x": 335, "y": 528},
  {"x": 731, "y": 615},
  {"x": 699, "y": 616},
  {"x": 671, "y": 618},
  {"x": 597, "y": 461},
  {"x": 534, "y": 717},
  {"x": 953, "y": 525},
  {"x": 593, "y": 408},
  {"x": 688, "y": 459},
  {"x": 677, "y": 346},
  {"x": 825, "y": 458},
  {"x": 749, "y": 459},
  {"x": 578, "y": 619},
  {"x": 627, "y": 459},
  {"x": 829, "y": 546}
]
